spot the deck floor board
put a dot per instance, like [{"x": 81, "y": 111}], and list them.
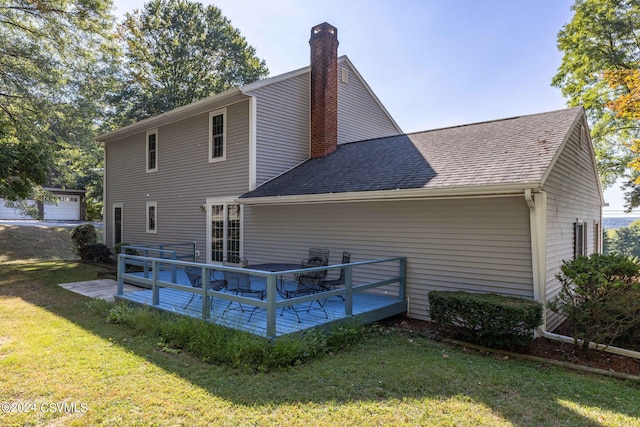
[{"x": 174, "y": 301}]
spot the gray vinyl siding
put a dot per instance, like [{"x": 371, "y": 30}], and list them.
[
  {"x": 183, "y": 181},
  {"x": 283, "y": 114},
  {"x": 282, "y": 126},
  {"x": 572, "y": 193},
  {"x": 359, "y": 114},
  {"x": 478, "y": 245}
]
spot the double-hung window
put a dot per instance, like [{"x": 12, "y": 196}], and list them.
[
  {"x": 152, "y": 217},
  {"x": 152, "y": 150},
  {"x": 218, "y": 135}
]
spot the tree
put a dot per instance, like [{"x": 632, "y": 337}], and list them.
[
  {"x": 625, "y": 240},
  {"x": 600, "y": 296},
  {"x": 599, "y": 71},
  {"x": 178, "y": 52},
  {"x": 47, "y": 49}
]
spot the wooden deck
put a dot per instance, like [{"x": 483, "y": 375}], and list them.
[{"x": 361, "y": 304}]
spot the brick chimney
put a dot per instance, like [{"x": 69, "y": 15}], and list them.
[{"x": 324, "y": 89}]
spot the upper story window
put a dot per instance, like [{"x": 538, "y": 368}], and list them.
[
  {"x": 152, "y": 150},
  {"x": 218, "y": 135}
]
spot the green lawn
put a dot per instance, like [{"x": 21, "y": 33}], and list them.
[{"x": 55, "y": 350}]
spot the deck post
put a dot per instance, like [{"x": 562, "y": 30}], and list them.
[
  {"x": 174, "y": 270},
  {"x": 206, "y": 283},
  {"x": 121, "y": 265},
  {"x": 271, "y": 306},
  {"x": 348, "y": 284},
  {"x": 403, "y": 278},
  {"x": 155, "y": 299},
  {"x": 145, "y": 264}
]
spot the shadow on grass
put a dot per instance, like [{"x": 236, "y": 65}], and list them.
[{"x": 385, "y": 365}]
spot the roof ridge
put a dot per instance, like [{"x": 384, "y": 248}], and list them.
[
  {"x": 494, "y": 121},
  {"x": 460, "y": 126}
]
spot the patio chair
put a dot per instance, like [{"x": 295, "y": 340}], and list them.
[
  {"x": 195, "y": 279},
  {"x": 240, "y": 284},
  {"x": 307, "y": 284},
  {"x": 319, "y": 253},
  {"x": 236, "y": 261},
  {"x": 334, "y": 283}
]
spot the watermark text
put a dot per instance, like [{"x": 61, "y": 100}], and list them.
[{"x": 65, "y": 407}]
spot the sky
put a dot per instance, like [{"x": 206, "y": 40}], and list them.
[{"x": 432, "y": 63}]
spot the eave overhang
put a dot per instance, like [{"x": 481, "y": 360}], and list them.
[{"x": 475, "y": 191}]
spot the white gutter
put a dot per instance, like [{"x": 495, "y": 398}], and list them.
[{"x": 398, "y": 194}]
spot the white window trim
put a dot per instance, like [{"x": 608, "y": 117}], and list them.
[
  {"x": 224, "y": 201},
  {"x": 597, "y": 236},
  {"x": 223, "y": 112},
  {"x": 146, "y": 149},
  {"x": 146, "y": 211},
  {"x": 113, "y": 222}
]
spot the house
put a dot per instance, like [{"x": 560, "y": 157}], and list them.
[
  {"x": 70, "y": 206},
  {"x": 312, "y": 158}
]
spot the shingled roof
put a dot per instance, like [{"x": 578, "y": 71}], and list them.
[{"x": 516, "y": 150}]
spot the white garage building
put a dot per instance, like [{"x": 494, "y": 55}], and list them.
[{"x": 70, "y": 207}]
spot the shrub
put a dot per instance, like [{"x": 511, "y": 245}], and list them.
[
  {"x": 600, "y": 296},
  {"x": 220, "y": 345},
  {"x": 98, "y": 252},
  {"x": 129, "y": 251},
  {"x": 81, "y": 237},
  {"x": 487, "y": 319}
]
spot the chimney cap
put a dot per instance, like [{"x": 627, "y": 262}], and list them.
[{"x": 324, "y": 28}]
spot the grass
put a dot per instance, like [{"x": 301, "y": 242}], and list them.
[
  {"x": 33, "y": 243},
  {"x": 57, "y": 348}
]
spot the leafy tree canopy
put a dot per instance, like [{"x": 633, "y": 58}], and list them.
[
  {"x": 178, "y": 52},
  {"x": 601, "y": 48},
  {"x": 48, "y": 50}
]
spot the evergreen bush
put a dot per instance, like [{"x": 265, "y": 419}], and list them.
[
  {"x": 600, "y": 296},
  {"x": 98, "y": 252},
  {"x": 82, "y": 237}
]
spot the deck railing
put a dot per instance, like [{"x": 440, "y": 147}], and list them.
[
  {"x": 271, "y": 303},
  {"x": 181, "y": 251}
]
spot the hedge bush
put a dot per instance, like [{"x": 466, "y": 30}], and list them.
[{"x": 487, "y": 319}]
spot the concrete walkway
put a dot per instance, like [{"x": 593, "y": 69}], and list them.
[{"x": 103, "y": 288}]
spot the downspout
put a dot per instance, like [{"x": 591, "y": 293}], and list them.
[
  {"x": 537, "y": 211},
  {"x": 538, "y": 222},
  {"x": 105, "y": 218},
  {"x": 253, "y": 142},
  {"x": 533, "y": 228},
  {"x": 537, "y": 225}
]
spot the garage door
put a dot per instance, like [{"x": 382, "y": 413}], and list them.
[
  {"x": 10, "y": 213},
  {"x": 67, "y": 209}
]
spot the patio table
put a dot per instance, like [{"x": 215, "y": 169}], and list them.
[{"x": 274, "y": 266}]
